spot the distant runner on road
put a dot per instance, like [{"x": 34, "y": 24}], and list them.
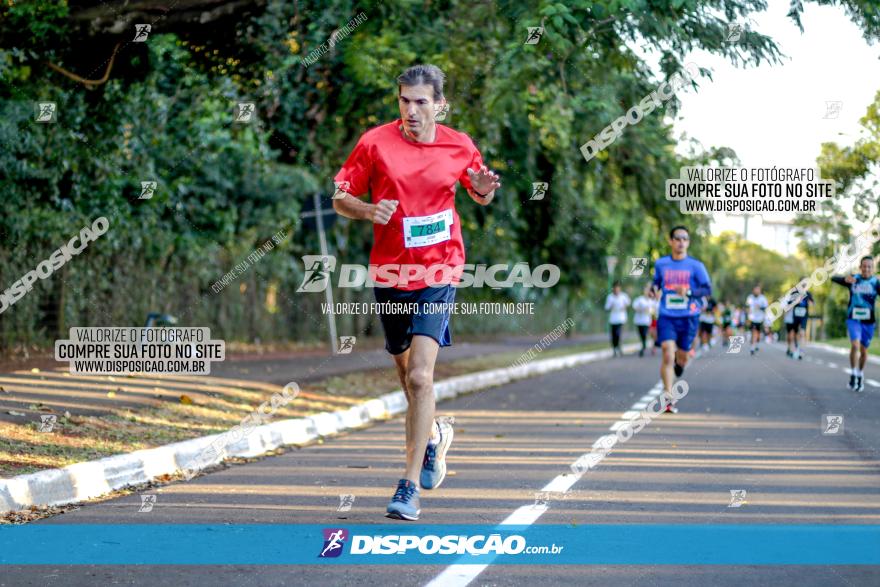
[
  {"x": 410, "y": 167},
  {"x": 756, "y": 305},
  {"x": 616, "y": 304},
  {"x": 860, "y": 317},
  {"x": 707, "y": 323},
  {"x": 727, "y": 320},
  {"x": 645, "y": 309},
  {"x": 795, "y": 320},
  {"x": 679, "y": 283}
]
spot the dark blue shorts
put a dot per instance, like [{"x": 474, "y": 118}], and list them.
[
  {"x": 860, "y": 331},
  {"x": 681, "y": 329},
  {"x": 426, "y": 312}
]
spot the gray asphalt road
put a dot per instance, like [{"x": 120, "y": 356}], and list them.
[
  {"x": 281, "y": 370},
  {"x": 752, "y": 423}
]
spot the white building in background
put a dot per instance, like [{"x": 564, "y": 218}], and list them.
[{"x": 776, "y": 234}]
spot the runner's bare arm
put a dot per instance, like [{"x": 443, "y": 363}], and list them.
[
  {"x": 357, "y": 209},
  {"x": 483, "y": 182}
]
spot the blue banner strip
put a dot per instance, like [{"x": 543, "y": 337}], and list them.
[{"x": 404, "y": 543}]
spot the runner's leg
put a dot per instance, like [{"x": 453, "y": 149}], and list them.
[
  {"x": 854, "y": 328},
  {"x": 419, "y": 386},
  {"x": 667, "y": 365}
]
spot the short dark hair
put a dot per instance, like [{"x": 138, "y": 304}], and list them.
[
  {"x": 616, "y": 283},
  {"x": 866, "y": 257},
  {"x": 679, "y": 227},
  {"x": 423, "y": 74}
]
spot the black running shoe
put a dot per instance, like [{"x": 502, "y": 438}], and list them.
[
  {"x": 852, "y": 382},
  {"x": 678, "y": 369}
]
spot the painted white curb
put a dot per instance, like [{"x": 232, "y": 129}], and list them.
[{"x": 83, "y": 481}]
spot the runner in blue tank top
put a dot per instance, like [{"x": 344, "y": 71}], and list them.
[
  {"x": 860, "y": 317},
  {"x": 679, "y": 284}
]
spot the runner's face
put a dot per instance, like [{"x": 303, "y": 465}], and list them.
[
  {"x": 679, "y": 242},
  {"x": 417, "y": 108},
  {"x": 867, "y": 268}
]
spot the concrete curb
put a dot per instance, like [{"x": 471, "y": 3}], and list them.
[
  {"x": 840, "y": 351},
  {"x": 88, "y": 480}
]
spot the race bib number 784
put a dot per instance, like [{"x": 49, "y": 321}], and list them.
[{"x": 422, "y": 231}]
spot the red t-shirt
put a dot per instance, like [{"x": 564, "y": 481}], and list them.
[{"x": 425, "y": 229}]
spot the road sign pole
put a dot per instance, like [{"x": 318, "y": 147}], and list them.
[{"x": 328, "y": 291}]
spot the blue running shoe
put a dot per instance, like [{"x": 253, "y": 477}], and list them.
[
  {"x": 434, "y": 464},
  {"x": 405, "y": 503}
]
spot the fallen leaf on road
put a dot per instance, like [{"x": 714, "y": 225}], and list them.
[
  {"x": 14, "y": 413},
  {"x": 186, "y": 400},
  {"x": 111, "y": 394},
  {"x": 35, "y": 370}
]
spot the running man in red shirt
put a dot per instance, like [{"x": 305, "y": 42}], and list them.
[{"x": 410, "y": 167}]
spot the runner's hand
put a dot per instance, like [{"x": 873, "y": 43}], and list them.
[
  {"x": 383, "y": 211},
  {"x": 681, "y": 290},
  {"x": 849, "y": 279},
  {"x": 483, "y": 181}
]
